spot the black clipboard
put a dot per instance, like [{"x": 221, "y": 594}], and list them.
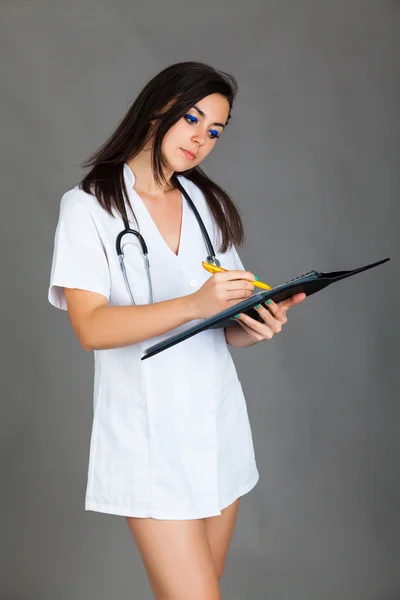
[{"x": 309, "y": 283}]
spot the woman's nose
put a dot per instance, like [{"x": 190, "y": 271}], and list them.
[{"x": 199, "y": 137}]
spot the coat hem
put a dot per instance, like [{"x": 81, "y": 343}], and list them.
[{"x": 91, "y": 505}]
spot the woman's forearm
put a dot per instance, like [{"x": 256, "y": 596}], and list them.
[{"x": 109, "y": 327}]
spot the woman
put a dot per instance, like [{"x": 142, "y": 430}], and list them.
[{"x": 171, "y": 446}]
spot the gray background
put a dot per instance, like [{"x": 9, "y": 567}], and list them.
[{"x": 312, "y": 158}]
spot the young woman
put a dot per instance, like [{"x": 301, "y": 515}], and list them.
[{"x": 171, "y": 445}]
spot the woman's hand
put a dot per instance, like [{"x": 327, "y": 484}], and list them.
[
  {"x": 274, "y": 318},
  {"x": 221, "y": 291}
]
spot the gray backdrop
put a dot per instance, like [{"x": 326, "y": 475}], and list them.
[{"x": 312, "y": 158}]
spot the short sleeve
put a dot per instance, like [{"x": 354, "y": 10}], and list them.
[
  {"x": 231, "y": 260},
  {"x": 79, "y": 258},
  {"x": 237, "y": 260}
]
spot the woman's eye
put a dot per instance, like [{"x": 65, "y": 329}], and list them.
[{"x": 191, "y": 119}]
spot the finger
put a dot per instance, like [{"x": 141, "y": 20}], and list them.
[
  {"x": 234, "y": 274},
  {"x": 275, "y": 310},
  {"x": 238, "y": 284},
  {"x": 267, "y": 330},
  {"x": 237, "y": 295},
  {"x": 289, "y": 302},
  {"x": 269, "y": 319},
  {"x": 253, "y": 334}
]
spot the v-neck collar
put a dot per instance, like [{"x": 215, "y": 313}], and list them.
[{"x": 130, "y": 182}]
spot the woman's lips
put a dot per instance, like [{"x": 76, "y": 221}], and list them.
[{"x": 189, "y": 155}]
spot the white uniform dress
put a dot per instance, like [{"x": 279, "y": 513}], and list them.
[{"x": 171, "y": 437}]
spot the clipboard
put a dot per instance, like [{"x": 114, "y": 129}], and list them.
[{"x": 308, "y": 283}]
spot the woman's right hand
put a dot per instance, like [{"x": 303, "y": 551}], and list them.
[{"x": 221, "y": 291}]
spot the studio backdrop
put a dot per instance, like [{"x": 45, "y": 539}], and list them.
[{"x": 311, "y": 157}]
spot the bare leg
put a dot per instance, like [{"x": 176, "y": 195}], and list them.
[
  {"x": 177, "y": 558},
  {"x": 219, "y": 532}
]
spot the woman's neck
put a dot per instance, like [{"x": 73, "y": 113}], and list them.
[{"x": 144, "y": 178}]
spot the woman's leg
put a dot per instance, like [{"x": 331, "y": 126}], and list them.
[
  {"x": 219, "y": 532},
  {"x": 177, "y": 558}
]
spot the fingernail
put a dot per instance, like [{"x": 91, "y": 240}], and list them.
[
  {"x": 256, "y": 278},
  {"x": 237, "y": 316},
  {"x": 257, "y": 305},
  {"x": 268, "y": 301}
]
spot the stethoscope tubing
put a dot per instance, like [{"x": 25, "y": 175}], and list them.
[{"x": 211, "y": 258}]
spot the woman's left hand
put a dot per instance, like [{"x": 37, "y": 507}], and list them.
[{"x": 274, "y": 318}]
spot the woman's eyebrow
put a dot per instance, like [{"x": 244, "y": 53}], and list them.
[{"x": 202, "y": 114}]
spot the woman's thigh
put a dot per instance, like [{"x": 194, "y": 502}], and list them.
[
  {"x": 177, "y": 558},
  {"x": 219, "y": 532}
]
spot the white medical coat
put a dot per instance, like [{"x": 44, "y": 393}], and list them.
[{"x": 171, "y": 437}]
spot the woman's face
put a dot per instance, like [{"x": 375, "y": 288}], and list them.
[{"x": 189, "y": 141}]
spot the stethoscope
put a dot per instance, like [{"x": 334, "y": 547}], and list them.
[{"x": 211, "y": 258}]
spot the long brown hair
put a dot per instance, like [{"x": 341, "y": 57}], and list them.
[{"x": 179, "y": 87}]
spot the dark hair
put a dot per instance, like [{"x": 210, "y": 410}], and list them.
[{"x": 179, "y": 87}]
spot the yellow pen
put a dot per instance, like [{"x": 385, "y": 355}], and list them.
[{"x": 214, "y": 269}]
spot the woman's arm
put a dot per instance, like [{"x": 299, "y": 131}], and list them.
[
  {"x": 238, "y": 337},
  {"x": 99, "y": 326}
]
